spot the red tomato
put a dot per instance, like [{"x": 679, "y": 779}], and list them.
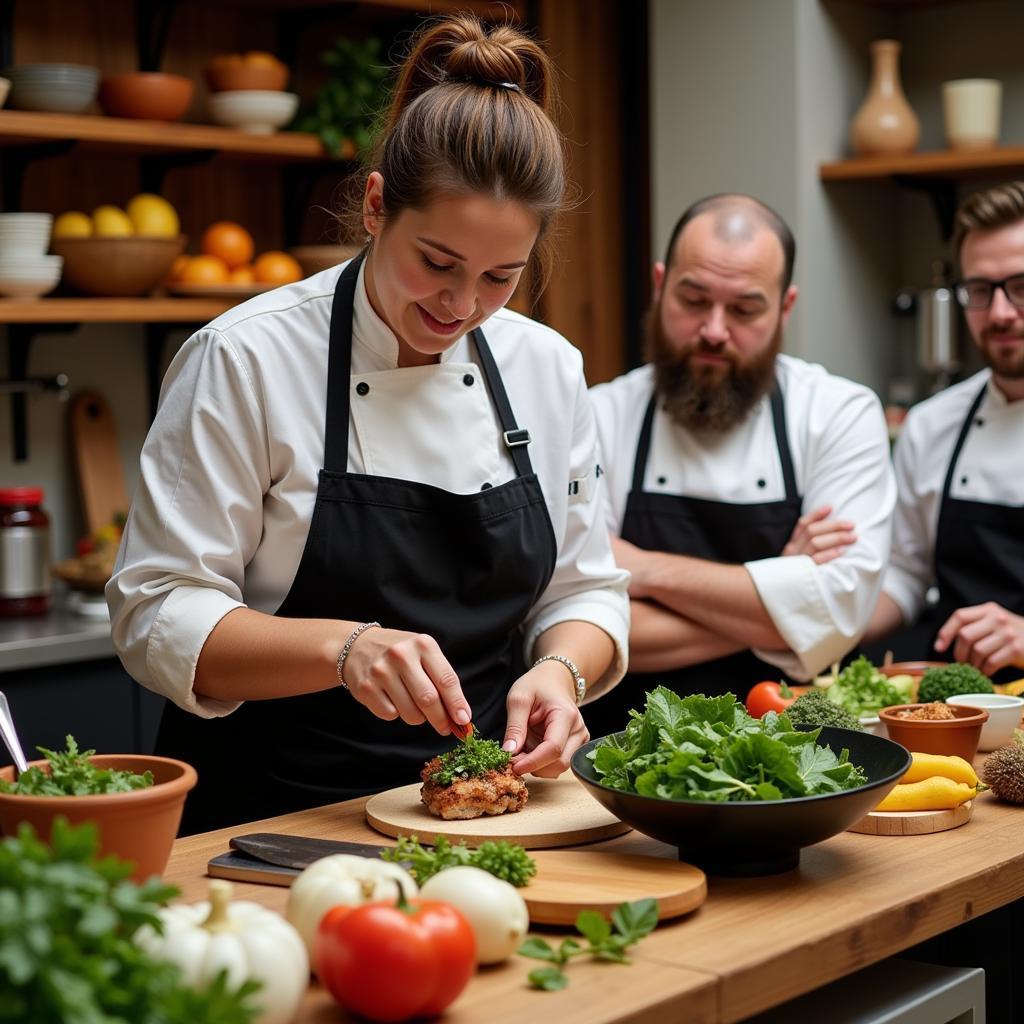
[
  {"x": 769, "y": 696},
  {"x": 390, "y": 963}
]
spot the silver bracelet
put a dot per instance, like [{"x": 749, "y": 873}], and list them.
[
  {"x": 578, "y": 681},
  {"x": 353, "y": 637}
]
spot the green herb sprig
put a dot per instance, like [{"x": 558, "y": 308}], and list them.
[
  {"x": 605, "y": 941},
  {"x": 471, "y": 756},
  {"x": 67, "y": 922},
  {"x": 73, "y": 774},
  {"x": 503, "y": 860}
]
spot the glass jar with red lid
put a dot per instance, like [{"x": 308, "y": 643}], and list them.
[{"x": 24, "y": 552}]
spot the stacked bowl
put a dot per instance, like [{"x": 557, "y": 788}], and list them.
[
  {"x": 54, "y": 88},
  {"x": 26, "y": 272},
  {"x": 247, "y": 92}
]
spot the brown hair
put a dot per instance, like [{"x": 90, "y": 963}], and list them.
[
  {"x": 471, "y": 112},
  {"x": 995, "y": 207}
]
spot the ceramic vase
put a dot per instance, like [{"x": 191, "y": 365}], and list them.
[{"x": 886, "y": 123}]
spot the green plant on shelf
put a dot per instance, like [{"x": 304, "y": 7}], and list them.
[{"x": 346, "y": 106}]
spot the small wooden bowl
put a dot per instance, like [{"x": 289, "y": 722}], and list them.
[
  {"x": 133, "y": 265},
  {"x": 139, "y": 825},
  {"x": 146, "y": 95},
  {"x": 954, "y": 736}
]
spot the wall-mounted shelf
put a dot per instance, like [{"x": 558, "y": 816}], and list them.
[
  {"x": 941, "y": 163},
  {"x": 147, "y": 138},
  {"x": 110, "y": 311}
]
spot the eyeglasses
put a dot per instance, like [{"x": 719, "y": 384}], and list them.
[{"x": 977, "y": 292}]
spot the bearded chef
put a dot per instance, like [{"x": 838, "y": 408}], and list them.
[
  {"x": 748, "y": 492},
  {"x": 959, "y": 523}
]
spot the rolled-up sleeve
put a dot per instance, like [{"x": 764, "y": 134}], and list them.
[
  {"x": 821, "y": 611},
  {"x": 586, "y": 584},
  {"x": 194, "y": 522}
]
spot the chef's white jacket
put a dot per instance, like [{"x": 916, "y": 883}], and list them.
[
  {"x": 840, "y": 452},
  {"x": 988, "y": 470},
  {"x": 229, "y": 470}
]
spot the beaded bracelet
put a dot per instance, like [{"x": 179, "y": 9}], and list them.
[{"x": 353, "y": 637}]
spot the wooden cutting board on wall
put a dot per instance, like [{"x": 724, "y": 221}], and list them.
[{"x": 97, "y": 460}]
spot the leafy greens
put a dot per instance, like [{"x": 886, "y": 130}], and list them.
[
  {"x": 73, "y": 774},
  {"x": 709, "y": 748},
  {"x": 862, "y": 689}
]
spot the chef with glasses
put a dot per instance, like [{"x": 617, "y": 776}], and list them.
[{"x": 959, "y": 522}]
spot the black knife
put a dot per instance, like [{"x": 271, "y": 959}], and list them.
[{"x": 298, "y": 851}]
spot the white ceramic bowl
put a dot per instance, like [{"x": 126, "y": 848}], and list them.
[
  {"x": 12, "y": 288},
  {"x": 30, "y": 266},
  {"x": 253, "y": 110},
  {"x": 873, "y": 725},
  {"x": 55, "y": 88},
  {"x": 1004, "y": 714}
]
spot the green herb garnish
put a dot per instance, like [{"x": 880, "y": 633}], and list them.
[
  {"x": 605, "y": 941},
  {"x": 709, "y": 748},
  {"x": 503, "y": 860},
  {"x": 472, "y": 756},
  {"x": 862, "y": 689},
  {"x": 67, "y": 922},
  {"x": 73, "y": 774}
]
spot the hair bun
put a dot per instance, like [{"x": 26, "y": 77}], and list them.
[{"x": 486, "y": 61}]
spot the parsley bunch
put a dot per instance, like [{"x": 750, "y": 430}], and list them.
[
  {"x": 73, "y": 774},
  {"x": 709, "y": 748},
  {"x": 503, "y": 860},
  {"x": 472, "y": 756},
  {"x": 631, "y": 921},
  {"x": 66, "y": 950}
]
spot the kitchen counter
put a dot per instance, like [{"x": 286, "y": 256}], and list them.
[
  {"x": 59, "y": 637},
  {"x": 756, "y": 942}
]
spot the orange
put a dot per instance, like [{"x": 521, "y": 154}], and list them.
[
  {"x": 242, "y": 275},
  {"x": 204, "y": 270},
  {"x": 179, "y": 264},
  {"x": 229, "y": 242},
  {"x": 276, "y": 267}
]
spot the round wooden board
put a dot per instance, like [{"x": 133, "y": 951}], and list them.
[
  {"x": 568, "y": 881},
  {"x": 913, "y": 823},
  {"x": 560, "y": 812}
]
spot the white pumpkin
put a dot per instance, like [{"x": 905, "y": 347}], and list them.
[
  {"x": 342, "y": 880},
  {"x": 246, "y": 939}
]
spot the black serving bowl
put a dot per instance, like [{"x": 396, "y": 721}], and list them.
[{"x": 755, "y": 837}]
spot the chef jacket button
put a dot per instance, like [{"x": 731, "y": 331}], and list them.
[
  {"x": 662, "y": 480},
  {"x": 761, "y": 483},
  {"x": 979, "y": 422},
  {"x": 485, "y": 487},
  {"x": 963, "y": 479},
  {"x": 362, "y": 388},
  {"x": 468, "y": 380}
]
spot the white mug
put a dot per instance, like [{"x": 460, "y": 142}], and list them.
[{"x": 971, "y": 108}]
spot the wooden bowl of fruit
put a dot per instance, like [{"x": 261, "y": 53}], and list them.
[{"x": 94, "y": 561}]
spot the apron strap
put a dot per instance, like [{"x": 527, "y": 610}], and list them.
[
  {"x": 515, "y": 439},
  {"x": 782, "y": 442},
  {"x": 339, "y": 369},
  {"x": 643, "y": 446},
  {"x": 961, "y": 438}
]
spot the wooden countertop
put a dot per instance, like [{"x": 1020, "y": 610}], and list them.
[{"x": 756, "y": 942}]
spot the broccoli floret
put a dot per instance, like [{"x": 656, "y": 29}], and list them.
[
  {"x": 814, "y": 708},
  {"x": 940, "y": 683}
]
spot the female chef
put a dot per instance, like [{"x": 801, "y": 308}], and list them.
[{"x": 367, "y": 508}]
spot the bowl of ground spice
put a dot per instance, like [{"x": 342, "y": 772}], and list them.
[{"x": 935, "y": 728}]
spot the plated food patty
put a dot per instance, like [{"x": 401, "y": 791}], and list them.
[{"x": 474, "y": 779}]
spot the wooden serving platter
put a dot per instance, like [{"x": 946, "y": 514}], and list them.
[
  {"x": 560, "y": 812},
  {"x": 913, "y": 823}
]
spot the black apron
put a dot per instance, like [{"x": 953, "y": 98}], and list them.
[
  {"x": 979, "y": 557},
  {"x": 717, "y": 531},
  {"x": 464, "y": 568}
]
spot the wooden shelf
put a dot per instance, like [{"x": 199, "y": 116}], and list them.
[
  {"x": 110, "y": 311},
  {"x": 18, "y": 127},
  {"x": 939, "y": 164}
]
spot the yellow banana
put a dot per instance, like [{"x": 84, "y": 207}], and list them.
[
  {"x": 927, "y": 765},
  {"x": 932, "y": 794}
]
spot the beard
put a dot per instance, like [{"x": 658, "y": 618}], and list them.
[
  {"x": 705, "y": 398},
  {"x": 1006, "y": 363}
]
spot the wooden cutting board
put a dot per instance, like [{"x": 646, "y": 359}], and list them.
[
  {"x": 913, "y": 823},
  {"x": 97, "y": 460},
  {"x": 560, "y": 812}
]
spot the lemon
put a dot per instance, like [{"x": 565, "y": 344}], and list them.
[
  {"x": 73, "y": 224},
  {"x": 111, "y": 222},
  {"x": 153, "y": 215}
]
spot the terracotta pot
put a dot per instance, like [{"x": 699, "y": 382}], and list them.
[
  {"x": 139, "y": 825},
  {"x": 885, "y": 123},
  {"x": 955, "y": 736},
  {"x": 148, "y": 95}
]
